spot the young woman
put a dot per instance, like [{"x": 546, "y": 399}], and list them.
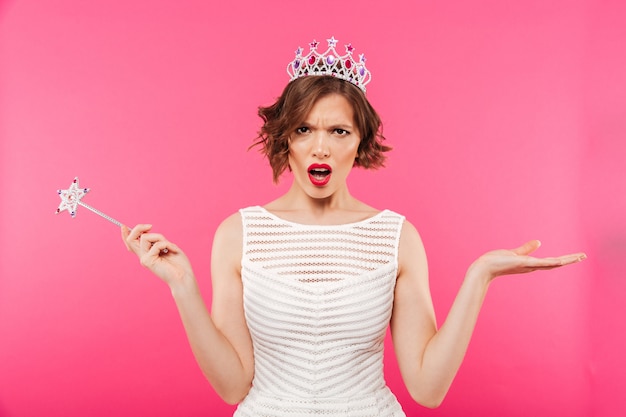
[{"x": 305, "y": 286}]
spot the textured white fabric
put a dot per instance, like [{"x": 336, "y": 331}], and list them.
[{"x": 318, "y": 301}]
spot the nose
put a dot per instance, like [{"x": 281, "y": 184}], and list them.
[{"x": 321, "y": 147}]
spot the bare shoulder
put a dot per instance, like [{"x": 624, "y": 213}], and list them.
[
  {"x": 411, "y": 252},
  {"x": 409, "y": 235},
  {"x": 228, "y": 241},
  {"x": 231, "y": 227}
]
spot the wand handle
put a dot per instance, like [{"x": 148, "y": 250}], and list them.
[
  {"x": 101, "y": 214},
  {"x": 109, "y": 218}
]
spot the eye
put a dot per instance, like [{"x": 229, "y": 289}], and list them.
[
  {"x": 341, "y": 132},
  {"x": 302, "y": 130}
]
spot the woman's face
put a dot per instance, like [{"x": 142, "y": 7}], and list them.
[{"x": 323, "y": 148}]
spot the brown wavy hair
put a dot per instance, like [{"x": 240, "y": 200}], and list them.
[{"x": 290, "y": 110}]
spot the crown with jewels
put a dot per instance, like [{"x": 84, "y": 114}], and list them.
[{"x": 330, "y": 63}]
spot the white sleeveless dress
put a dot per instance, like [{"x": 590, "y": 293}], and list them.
[{"x": 318, "y": 301}]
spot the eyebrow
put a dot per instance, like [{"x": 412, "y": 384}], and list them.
[{"x": 344, "y": 126}]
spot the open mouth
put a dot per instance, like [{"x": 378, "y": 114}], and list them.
[{"x": 319, "y": 174}]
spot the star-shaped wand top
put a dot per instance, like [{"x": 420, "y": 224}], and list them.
[{"x": 71, "y": 197}]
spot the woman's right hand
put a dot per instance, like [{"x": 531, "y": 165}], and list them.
[{"x": 158, "y": 254}]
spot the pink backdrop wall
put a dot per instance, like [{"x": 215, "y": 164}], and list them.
[{"x": 508, "y": 123}]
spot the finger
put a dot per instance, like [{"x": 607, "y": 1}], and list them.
[
  {"x": 157, "y": 250},
  {"x": 132, "y": 237},
  {"x": 162, "y": 248},
  {"x": 139, "y": 230},
  {"x": 572, "y": 258},
  {"x": 147, "y": 240},
  {"x": 553, "y": 262},
  {"x": 543, "y": 262},
  {"x": 126, "y": 231},
  {"x": 527, "y": 248}
]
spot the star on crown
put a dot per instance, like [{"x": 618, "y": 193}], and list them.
[{"x": 330, "y": 63}]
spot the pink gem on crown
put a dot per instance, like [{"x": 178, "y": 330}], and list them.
[{"x": 330, "y": 63}]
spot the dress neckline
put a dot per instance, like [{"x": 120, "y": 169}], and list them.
[{"x": 356, "y": 223}]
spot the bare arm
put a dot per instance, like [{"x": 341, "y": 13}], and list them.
[
  {"x": 429, "y": 358},
  {"x": 221, "y": 343}
]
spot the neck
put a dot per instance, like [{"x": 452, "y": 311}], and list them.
[
  {"x": 339, "y": 208},
  {"x": 297, "y": 199}
]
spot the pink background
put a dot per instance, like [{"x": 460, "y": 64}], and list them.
[{"x": 508, "y": 123}]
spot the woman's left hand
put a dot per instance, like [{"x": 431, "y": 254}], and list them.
[{"x": 517, "y": 261}]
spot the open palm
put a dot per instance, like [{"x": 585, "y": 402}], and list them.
[{"x": 518, "y": 261}]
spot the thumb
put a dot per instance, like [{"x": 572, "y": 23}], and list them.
[
  {"x": 528, "y": 247},
  {"x": 125, "y": 232}
]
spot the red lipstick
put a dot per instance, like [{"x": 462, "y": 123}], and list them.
[{"x": 319, "y": 174}]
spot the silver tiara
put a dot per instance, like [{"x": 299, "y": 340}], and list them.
[{"x": 330, "y": 63}]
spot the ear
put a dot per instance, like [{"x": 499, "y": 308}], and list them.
[{"x": 357, "y": 160}]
